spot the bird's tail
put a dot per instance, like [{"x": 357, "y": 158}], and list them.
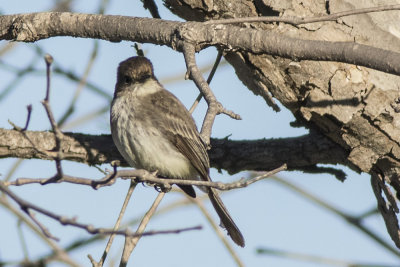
[{"x": 228, "y": 224}]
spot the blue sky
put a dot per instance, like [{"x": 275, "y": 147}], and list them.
[{"x": 269, "y": 214}]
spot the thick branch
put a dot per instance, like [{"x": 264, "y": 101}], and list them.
[
  {"x": 234, "y": 156},
  {"x": 36, "y": 26}
]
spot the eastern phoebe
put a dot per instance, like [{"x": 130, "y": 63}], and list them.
[{"x": 154, "y": 131}]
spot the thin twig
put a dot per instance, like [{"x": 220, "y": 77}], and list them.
[
  {"x": 32, "y": 216},
  {"x": 58, "y": 135},
  {"x": 28, "y": 118},
  {"x": 217, "y": 230},
  {"x": 147, "y": 177},
  {"x": 214, "y": 107},
  {"x": 301, "y": 20},
  {"x": 69, "y": 74},
  {"x": 317, "y": 260},
  {"x": 152, "y": 7},
  {"x": 209, "y": 79},
  {"x": 58, "y": 253},
  {"x": 178, "y": 76},
  {"x": 82, "y": 83},
  {"x": 89, "y": 116},
  {"x": 27, "y": 206},
  {"x": 131, "y": 242},
  {"x": 19, "y": 77},
  {"x": 350, "y": 219},
  {"x": 102, "y": 7},
  {"x": 22, "y": 240},
  {"x": 13, "y": 169},
  {"x": 118, "y": 222},
  {"x": 76, "y": 244}
]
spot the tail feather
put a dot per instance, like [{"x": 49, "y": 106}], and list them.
[
  {"x": 230, "y": 226},
  {"x": 188, "y": 189}
]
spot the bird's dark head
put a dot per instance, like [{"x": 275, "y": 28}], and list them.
[
  {"x": 134, "y": 70},
  {"x": 136, "y": 74}
]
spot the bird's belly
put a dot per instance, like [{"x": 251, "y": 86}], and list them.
[
  {"x": 155, "y": 152},
  {"x": 145, "y": 147}
]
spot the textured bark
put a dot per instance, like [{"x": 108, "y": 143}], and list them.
[
  {"x": 355, "y": 110},
  {"x": 37, "y": 26},
  {"x": 301, "y": 153},
  {"x": 353, "y": 106},
  {"x": 356, "y": 107}
]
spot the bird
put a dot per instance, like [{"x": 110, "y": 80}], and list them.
[{"x": 153, "y": 130}]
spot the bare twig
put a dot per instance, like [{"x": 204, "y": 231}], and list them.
[
  {"x": 57, "y": 133},
  {"x": 89, "y": 116},
  {"x": 350, "y": 219},
  {"x": 130, "y": 242},
  {"x": 67, "y": 179},
  {"x": 103, "y": 6},
  {"x": 301, "y": 20},
  {"x": 14, "y": 168},
  {"x": 177, "y": 77},
  {"x": 28, "y": 118},
  {"x": 27, "y": 207},
  {"x": 214, "y": 107},
  {"x": 317, "y": 260},
  {"x": 118, "y": 222},
  {"x": 19, "y": 76},
  {"x": 152, "y": 7},
  {"x": 22, "y": 240},
  {"x": 209, "y": 79},
  {"x": 82, "y": 84},
  {"x": 86, "y": 241},
  {"x": 58, "y": 253},
  {"x": 69, "y": 74},
  {"x": 217, "y": 230},
  {"x": 147, "y": 177}
]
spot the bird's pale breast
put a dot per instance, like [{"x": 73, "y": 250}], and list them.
[{"x": 144, "y": 146}]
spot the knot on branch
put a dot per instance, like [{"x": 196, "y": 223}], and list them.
[
  {"x": 22, "y": 30},
  {"x": 188, "y": 33}
]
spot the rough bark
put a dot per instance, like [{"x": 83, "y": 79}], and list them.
[
  {"x": 356, "y": 107},
  {"x": 353, "y": 106},
  {"x": 301, "y": 153}
]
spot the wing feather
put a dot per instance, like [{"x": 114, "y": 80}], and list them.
[{"x": 181, "y": 130}]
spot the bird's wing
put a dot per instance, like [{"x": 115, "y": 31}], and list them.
[{"x": 181, "y": 130}]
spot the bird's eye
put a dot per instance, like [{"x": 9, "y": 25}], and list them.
[
  {"x": 144, "y": 77},
  {"x": 127, "y": 79}
]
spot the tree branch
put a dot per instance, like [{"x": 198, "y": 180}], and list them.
[
  {"x": 36, "y": 26},
  {"x": 214, "y": 107},
  {"x": 143, "y": 176},
  {"x": 232, "y": 156},
  {"x": 27, "y": 206}
]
